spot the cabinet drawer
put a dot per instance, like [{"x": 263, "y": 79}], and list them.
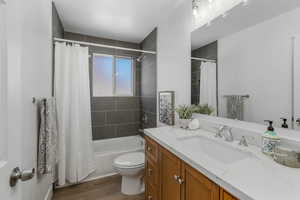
[
  {"x": 151, "y": 149},
  {"x": 151, "y": 173},
  {"x": 151, "y": 193}
]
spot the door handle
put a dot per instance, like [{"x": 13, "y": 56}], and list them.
[{"x": 17, "y": 175}]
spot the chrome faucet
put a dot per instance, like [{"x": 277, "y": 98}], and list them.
[
  {"x": 228, "y": 134},
  {"x": 243, "y": 141},
  {"x": 219, "y": 131},
  {"x": 225, "y": 131}
]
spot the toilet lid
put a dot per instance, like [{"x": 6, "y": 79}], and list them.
[{"x": 130, "y": 160}]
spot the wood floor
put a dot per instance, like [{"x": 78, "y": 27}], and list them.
[{"x": 102, "y": 189}]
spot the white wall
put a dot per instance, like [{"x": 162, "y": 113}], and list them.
[
  {"x": 257, "y": 61},
  {"x": 174, "y": 52},
  {"x": 29, "y": 73}
]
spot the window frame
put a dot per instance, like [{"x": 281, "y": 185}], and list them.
[{"x": 114, "y": 79}]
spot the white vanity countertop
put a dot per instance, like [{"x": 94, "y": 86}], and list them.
[{"x": 256, "y": 177}]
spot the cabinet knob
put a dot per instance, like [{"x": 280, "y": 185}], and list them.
[
  {"x": 149, "y": 149},
  {"x": 180, "y": 181},
  {"x": 176, "y": 177},
  {"x": 149, "y": 197}
]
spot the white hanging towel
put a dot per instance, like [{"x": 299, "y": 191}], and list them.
[{"x": 208, "y": 85}]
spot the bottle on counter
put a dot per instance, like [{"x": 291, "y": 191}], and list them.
[
  {"x": 270, "y": 140},
  {"x": 284, "y": 125}
]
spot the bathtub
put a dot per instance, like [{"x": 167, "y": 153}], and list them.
[{"x": 105, "y": 151}]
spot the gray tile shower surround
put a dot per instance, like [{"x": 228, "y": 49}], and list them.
[
  {"x": 148, "y": 83},
  {"x": 114, "y": 116},
  {"x": 120, "y": 116}
]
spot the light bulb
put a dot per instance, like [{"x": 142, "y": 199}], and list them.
[
  {"x": 195, "y": 12},
  {"x": 210, "y": 1}
]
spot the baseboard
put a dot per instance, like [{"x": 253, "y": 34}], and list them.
[
  {"x": 99, "y": 177},
  {"x": 49, "y": 194},
  {"x": 87, "y": 180}
]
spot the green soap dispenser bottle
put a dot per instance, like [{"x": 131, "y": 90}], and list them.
[{"x": 270, "y": 140}]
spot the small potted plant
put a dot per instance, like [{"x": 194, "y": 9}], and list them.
[
  {"x": 203, "y": 109},
  {"x": 185, "y": 114}
]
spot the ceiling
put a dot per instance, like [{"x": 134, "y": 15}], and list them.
[
  {"x": 126, "y": 20},
  {"x": 241, "y": 17}
]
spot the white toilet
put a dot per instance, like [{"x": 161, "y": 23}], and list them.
[{"x": 131, "y": 167}]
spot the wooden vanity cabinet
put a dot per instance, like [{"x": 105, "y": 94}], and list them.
[
  {"x": 170, "y": 174},
  {"x": 224, "y": 195},
  {"x": 197, "y": 186},
  {"x": 168, "y": 178}
]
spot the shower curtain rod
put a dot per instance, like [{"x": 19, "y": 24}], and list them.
[
  {"x": 203, "y": 59},
  {"x": 120, "y": 48},
  {"x": 103, "y": 45}
]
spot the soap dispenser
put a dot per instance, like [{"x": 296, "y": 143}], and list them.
[
  {"x": 270, "y": 140},
  {"x": 284, "y": 125}
]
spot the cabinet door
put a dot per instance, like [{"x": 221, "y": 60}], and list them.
[
  {"x": 197, "y": 186},
  {"x": 226, "y": 196},
  {"x": 169, "y": 174}
]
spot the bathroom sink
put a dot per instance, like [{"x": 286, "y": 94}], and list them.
[{"x": 216, "y": 150}]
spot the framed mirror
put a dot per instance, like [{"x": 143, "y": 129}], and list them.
[{"x": 256, "y": 75}]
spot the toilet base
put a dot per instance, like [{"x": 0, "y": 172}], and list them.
[{"x": 132, "y": 185}]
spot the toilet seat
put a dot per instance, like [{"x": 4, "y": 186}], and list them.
[{"x": 130, "y": 160}]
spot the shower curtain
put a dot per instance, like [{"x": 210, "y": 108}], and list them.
[
  {"x": 208, "y": 85},
  {"x": 72, "y": 92}
]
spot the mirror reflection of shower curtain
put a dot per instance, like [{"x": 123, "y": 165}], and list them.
[
  {"x": 72, "y": 92},
  {"x": 208, "y": 85}
]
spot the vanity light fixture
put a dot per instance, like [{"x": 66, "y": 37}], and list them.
[
  {"x": 195, "y": 8},
  {"x": 205, "y": 11},
  {"x": 245, "y": 2}
]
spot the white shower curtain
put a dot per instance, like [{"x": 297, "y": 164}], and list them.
[
  {"x": 72, "y": 92},
  {"x": 208, "y": 85}
]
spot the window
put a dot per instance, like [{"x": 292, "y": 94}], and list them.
[{"x": 112, "y": 75}]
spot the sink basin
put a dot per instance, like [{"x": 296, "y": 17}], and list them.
[{"x": 216, "y": 150}]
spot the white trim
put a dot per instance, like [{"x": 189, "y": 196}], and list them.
[
  {"x": 133, "y": 69},
  {"x": 49, "y": 194}
]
